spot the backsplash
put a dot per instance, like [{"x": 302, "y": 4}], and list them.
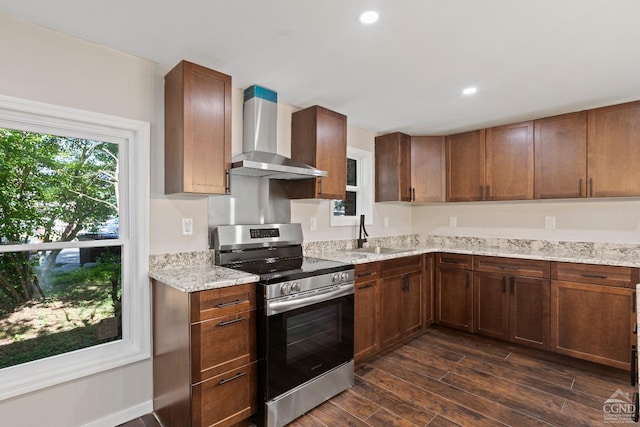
[
  {"x": 180, "y": 259},
  {"x": 549, "y": 247}
]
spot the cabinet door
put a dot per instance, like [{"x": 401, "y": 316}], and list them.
[
  {"x": 491, "y": 305},
  {"x": 226, "y": 399},
  {"x": 593, "y": 322},
  {"x": 393, "y": 168},
  {"x": 529, "y": 311},
  {"x": 509, "y": 157},
  {"x": 454, "y": 295},
  {"x": 412, "y": 306},
  {"x": 197, "y": 130},
  {"x": 392, "y": 325},
  {"x": 332, "y": 154},
  {"x": 366, "y": 340},
  {"x": 427, "y": 287},
  {"x": 614, "y": 151},
  {"x": 428, "y": 169},
  {"x": 465, "y": 166},
  {"x": 560, "y": 145},
  {"x": 319, "y": 139}
]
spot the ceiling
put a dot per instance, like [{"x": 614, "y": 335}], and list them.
[{"x": 528, "y": 59}]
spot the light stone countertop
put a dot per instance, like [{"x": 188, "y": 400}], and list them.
[
  {"x": 620, "y": 260},
  {"x": 202, "y": 278},
  {"x": 195, "y": 271}
]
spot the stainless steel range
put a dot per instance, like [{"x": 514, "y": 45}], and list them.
[{"x": 305, "y": 322}]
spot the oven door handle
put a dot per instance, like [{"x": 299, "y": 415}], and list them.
[{"x": 276, "y": 307}]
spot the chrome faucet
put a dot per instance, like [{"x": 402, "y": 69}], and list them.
[{"x": 362, "y": 240}]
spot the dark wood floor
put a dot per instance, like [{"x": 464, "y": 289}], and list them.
[{"x": 447, "y": 378}]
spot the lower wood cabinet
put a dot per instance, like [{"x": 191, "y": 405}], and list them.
[
  {"x": 454, "y": 291},
  {"x": 508, "y": 305},
  {"x": 401, "y": 312},
  {"x": 593, "y": 312},
  {"x": 366, "y": 311},
  {"x": 512, "y": 308},
  {"x": 204, "y": 355}
]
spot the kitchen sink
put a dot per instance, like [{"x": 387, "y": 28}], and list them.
[{"x": 376, "y": 250}]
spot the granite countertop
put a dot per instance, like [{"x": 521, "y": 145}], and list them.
[
  {"x": 202, "y": 278},
  {"x": 195, "y": 271},
  {"x": 558, "y": 255}
]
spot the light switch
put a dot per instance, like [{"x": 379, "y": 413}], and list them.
[
  {"x": 187, "y": 226},
  {"x": 550, "y": 222}
]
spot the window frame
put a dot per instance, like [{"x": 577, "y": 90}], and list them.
[
  {"x": 133, "y": 136},
  {"x": 364, "y": 191}
]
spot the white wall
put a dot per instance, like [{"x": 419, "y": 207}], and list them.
[
  {"x": 594, "y": 220},
  {"x": 47, "y": 66}
]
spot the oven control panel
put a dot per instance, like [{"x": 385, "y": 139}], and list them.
[{"x": 292, "y": 287}]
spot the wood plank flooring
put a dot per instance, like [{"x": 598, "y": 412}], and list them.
[{"x": 447, "y": 378}]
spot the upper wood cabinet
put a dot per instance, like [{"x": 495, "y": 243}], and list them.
[
  {"x": 319, "y": 139},
  {"x": 465, "y": 154},
  {"x": 491, "y": 164},
  {"x": 614, "y": 151},
  {"x": 509, "y": 162},
  {"x": 197, "y": 140},
  {"x": 393, "y": 168},
  {"x": 409, "y": 168},
  {"x": 427, "y": 169},
  {"x": 560, "y": 145}
]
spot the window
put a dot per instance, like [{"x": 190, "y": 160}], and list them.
[
  {"x": 359, "y": 198},
  {"x": 74, "y": 297}
]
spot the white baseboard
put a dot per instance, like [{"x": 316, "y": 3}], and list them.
[{"x": 123, "y": 416}]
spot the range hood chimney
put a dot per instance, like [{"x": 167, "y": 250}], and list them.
[{"x": 259, "y": 141}]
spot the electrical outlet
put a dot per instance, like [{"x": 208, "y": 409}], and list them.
[
  {"x": 187, "y": 226},
  {"x": 313, "y": 224},
  {"x": 453, "y": 221},
  {"x": 550, "y": 222},
  {"x": 386, "y": 222}
]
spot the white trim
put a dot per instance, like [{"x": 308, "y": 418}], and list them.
[
  {"x": 136, "y": 337},
  {"x": 365, "y": 201},
  {"x": 123, "y": 416}
]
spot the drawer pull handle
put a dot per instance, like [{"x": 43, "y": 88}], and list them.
[
  {"x": 594, "y": 276},
  {"x": 366, "y": 286},
  {"x": 508, "y": 267},
  {"x": 231, "y": 322},
  {"x": 368, "y": 273},
  {"x": 235, "y": 377},
  {"x": 229, "y": 304},
  {"x": 451, "y": 261}
]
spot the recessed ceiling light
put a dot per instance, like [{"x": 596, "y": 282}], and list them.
[
  {"x": 369, "y": 17},
  {"x": 469, "y": 90}
]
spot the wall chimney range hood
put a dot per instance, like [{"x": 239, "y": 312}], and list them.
[{"x": 259, "y": 141}]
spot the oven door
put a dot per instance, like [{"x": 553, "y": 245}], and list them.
[{"x": 308, "y": 341}]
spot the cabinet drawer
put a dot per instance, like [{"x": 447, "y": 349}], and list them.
[
  {"x": 221, "y": 302},
  {"x": 367, "y": 271},
  {"x": 461, "y": 261},
  {"x": 223, "y": 343},
  {"x": 512, "y": 266},
  {"x": 606, "y": 275},
  {"x": 393, "y": 267},
  {"x": 225, "y": 399}
]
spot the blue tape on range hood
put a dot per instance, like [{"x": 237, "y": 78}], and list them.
[{"x": 256, "y": 91}]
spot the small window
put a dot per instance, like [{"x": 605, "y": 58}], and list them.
[{"x": 359, "y": 198}]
